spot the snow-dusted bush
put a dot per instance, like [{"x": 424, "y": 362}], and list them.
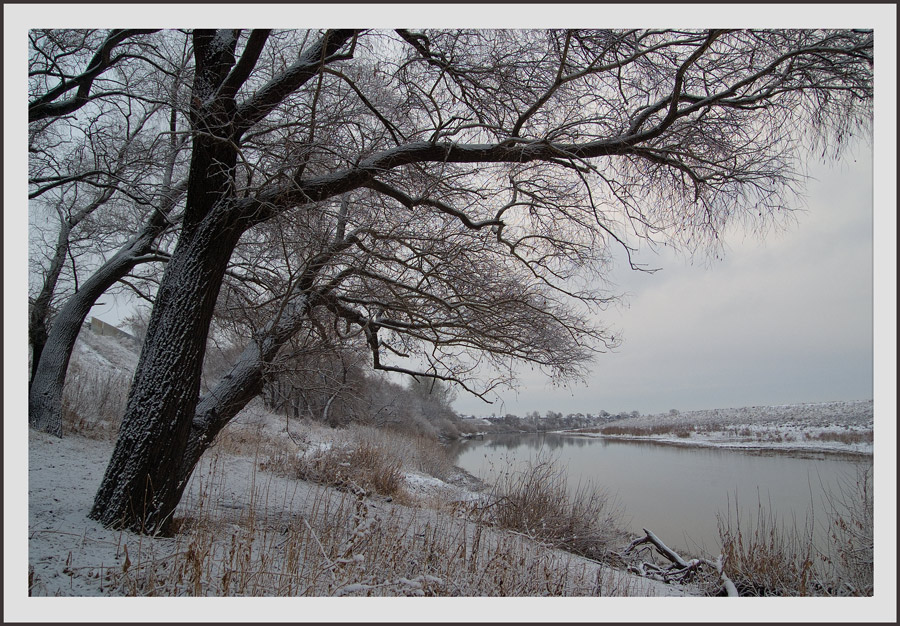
[
  {"x": 850, "y": 560},
  {"x": 362, "y": 468},
  {"x": 847, "y": 436},
  {"x": 536, "y": 502},
  {"x": 367, "y": 458},
  {"x": 94, "y": 400},
  {"x": 767, "y": 558}
]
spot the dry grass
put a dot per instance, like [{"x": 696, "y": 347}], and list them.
[
  {"x": 431, "y": 457},
  {"x": 849, "y": 563},
  {"x": 415, "y": 451},
  {"x": 769, "y": 559},
  {"x": 766, "y": 559},
  {"x": 364, "y": 459},
  {"x": 336, "y": 542},
  {"x": 94, "y": 401},
  {"x": 537, "y": 502},
  {"x": 255, "y": 440},
  {"x": 340, "y": 544},
  {"x": 643, "y": 431},
  {"x": 363, "y": 468},
  {"x": 848, "y": 437}
]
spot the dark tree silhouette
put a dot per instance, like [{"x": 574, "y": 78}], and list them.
[{"x": 457, "y": 196}]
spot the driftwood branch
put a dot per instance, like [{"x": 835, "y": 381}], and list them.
[{"x": 680, "y": 570}]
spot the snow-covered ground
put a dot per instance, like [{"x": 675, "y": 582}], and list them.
[
  {"x": 70, "y": 555},
  {"x": 839, "y": 427}
]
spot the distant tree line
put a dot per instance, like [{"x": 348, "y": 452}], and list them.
[{"x": 552, "y": 420}]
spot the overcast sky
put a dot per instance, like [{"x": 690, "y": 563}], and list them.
[
  {"x": 784, "y": 320},
  {"x": 780, "y": 320}
]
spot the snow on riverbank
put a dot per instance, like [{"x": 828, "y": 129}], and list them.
[
  {"x": 71, "y": 555},
  {"x": 831, "y": 427}
]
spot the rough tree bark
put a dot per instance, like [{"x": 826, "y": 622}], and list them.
[
  {"x": 240, "y": 385},
  {"x": 140, "y": 487},
  {"x": 45, "y": 393},
  {"x": 166, "y": 427},
  {"x": 39, "y": 311},
  {"x": 143, "y": 482}
]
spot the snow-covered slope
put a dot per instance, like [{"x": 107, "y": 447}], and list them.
[
  {"x": 857, "y": 414},
  {"x": 846, "y": 427},
  {"x": 92, "y": 350}
]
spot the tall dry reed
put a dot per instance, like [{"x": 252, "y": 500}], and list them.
[
  {"x": 835, "y": 558},
  {"x": 538, "y": 502}
]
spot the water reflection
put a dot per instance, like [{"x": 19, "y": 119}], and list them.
[
  {"x": 674, "y": 491},
  {"x": 512, "y": 441}
]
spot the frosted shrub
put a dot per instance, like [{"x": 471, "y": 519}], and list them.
[
  {"x": 849, "y": 564},
  {"x": 537, "y": 502},
  {"x": 852, "y": 437},
  {"x": 415, "y": 450},
  {"x": 94, "y": 401},
  {"x": 770, "y": 559},
  {"x": 432, "y": 458},
  {"x": 766, "y": 558},
  {"x": 357, "y": 468}
]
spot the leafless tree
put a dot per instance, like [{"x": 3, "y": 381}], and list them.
[
  {"x": 103, "y": 150},
  {"x": 68, "y": 69},
  {"x": 69, "y": 187},
  {"x": 457, "y": 197}
]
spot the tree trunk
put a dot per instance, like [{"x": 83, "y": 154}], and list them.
[
  {"x": 140, "y": 489},
  {"x": 51, "y": 362},
  {"x": 46, "y": 390},
  {"x": 152, "y": 463},
  {"x": 159, "y": 442},
  {"x": 142, "y": 486},
  {"x": 37, "y": 337},
  {"x": 39, "y": 312},
  {"x": 242, "y": 383}
]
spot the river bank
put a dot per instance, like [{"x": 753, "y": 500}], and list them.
[
  {"x": 801, "y": 429},
  {"x": 789, "y": 446},
  {"x": 246, "y": 528}
]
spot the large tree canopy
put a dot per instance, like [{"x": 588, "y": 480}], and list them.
[{"x": 452, "y": 199}]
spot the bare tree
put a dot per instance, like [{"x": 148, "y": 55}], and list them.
[
  {"x": 74, "y": 183},
  {"x": 103, "y": 161},
  {"x": 487, "y": 176},
  {"x": 68, "y": 69}
]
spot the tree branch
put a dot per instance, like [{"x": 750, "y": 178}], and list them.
[
  {"x": 242, "y": 69},
  {"x": 308, "y": 65},
  {"x": 46, "y": 105}
]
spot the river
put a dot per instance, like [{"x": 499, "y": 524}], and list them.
[{"x": 675, "y": 491}]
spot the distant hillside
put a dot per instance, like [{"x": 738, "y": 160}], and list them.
[
  {"x": 859, "y": 414},
  {"x": 105, "y": 351}
]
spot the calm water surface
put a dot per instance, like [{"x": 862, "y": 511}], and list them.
[{"x": 676, "y": 492}]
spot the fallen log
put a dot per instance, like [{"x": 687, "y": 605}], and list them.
[{"x": 680, "y": 570}]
